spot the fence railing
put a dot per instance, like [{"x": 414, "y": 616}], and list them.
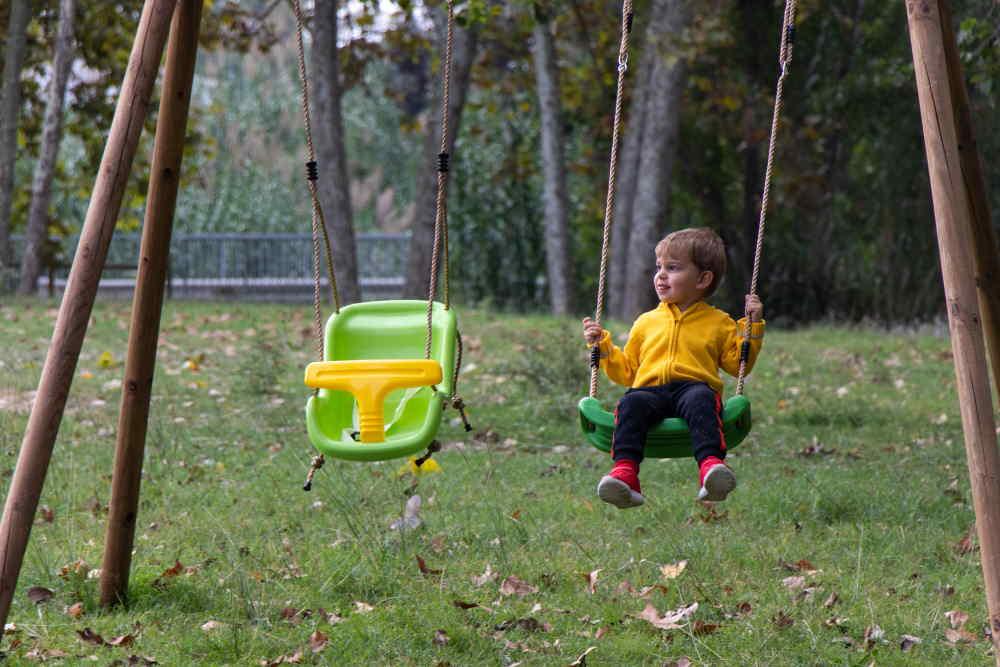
[{"x": 274, "y": 265}]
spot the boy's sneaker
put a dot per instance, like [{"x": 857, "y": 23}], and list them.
[
  {"x": 620, "y": 487},
  {"x": 717, "y": 480}
]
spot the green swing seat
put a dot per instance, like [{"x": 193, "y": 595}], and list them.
[
  {"x": 377, "y": 347},
  {"x": 670, "y": 438}
]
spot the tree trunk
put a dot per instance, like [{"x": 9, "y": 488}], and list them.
[
  {"x": 422, "y": 234},
  {"x": 658, "y": 150},
  {"x": 41, "y": 189},
  {"x": 557, "y": 254},
  {"x": 628, "y": 172},
  {"x": 333, "y": 184},
  {"x": 10, "y": 108}
]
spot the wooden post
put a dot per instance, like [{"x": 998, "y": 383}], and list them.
[
  {"x": 147, "y": 302},
  {"x": 78, "y": 297},
  {"x": 985, "y": 243},
  {"x": 955, "y": 241}
]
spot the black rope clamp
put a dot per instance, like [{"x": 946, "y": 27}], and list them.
[
  {"x": 628, "y": 22},
  {"x": 435, "y": 446},
  {"x": 459, "y": 404},
  {"x": 745, "y": 351},
  {"x": 317, "y": 463},
  {"x": 443, "y": 163},
  {"x": 312, "y": 170},
  {"x": 595, "y": 356}
]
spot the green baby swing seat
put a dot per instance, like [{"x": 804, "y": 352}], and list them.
[{"x": 384, "y": 331}]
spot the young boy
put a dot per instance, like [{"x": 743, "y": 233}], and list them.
[{"x": 671, "y": 362}]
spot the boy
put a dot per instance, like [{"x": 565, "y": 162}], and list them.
[{"x": 671, "y": 362}]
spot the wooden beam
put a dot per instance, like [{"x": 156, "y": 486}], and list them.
[
  {"x": 147, "y": 302},
  {"x": 81, "y": 290},
  {"x": 986, "y": 252},
  {"x": 956, "y": 241}
]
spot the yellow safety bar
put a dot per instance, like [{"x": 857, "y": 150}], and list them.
[{"x": 370, "y": 380}]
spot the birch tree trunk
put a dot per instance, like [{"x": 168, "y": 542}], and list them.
[
  {"x": 52, "y": 126},
  {"x": 659, "y": 146},
  {"x": 333, "y": 183},
  {"x": 422, "y": 233},
  {"x": 10, "y": 109},
  {"x": 557, "y": 254}
]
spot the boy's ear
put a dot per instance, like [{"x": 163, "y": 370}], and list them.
[{"x": 705, "y": 279}]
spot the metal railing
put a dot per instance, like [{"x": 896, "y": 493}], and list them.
[{"x": 206, "y": 265}]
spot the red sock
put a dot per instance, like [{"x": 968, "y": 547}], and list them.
[
  {"x": 707, "y": 463},
  {"x": 628, "y": 472}
]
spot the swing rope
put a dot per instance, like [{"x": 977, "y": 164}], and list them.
[
  {"x": 441, "y": 203},
  {"x": 784, "y": 59},
  {"x": 595, "y": 354},
  {"x": 318, "y": 220}
]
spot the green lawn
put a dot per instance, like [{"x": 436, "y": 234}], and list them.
[{"x": 844, "y": 537}]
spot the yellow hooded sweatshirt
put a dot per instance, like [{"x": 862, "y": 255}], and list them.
[{"x": 666, "y": 345}]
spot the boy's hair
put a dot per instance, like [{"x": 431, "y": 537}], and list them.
[{"x": 702, "y": 246}]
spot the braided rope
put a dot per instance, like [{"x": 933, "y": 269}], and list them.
[
  {"x": 612, "y": 175},
  {"x": 318, "y": 221},
  {"x": 441, "y": 205},
  {"x": 784, "y": 59}
]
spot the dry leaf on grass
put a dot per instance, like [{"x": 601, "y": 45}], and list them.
[
  {"x": 424, "y": 570},
  {"x": 39, "y": 594},
  {"x": 514, "y": 586},
  {"x": 318, "y": 641},
  {"x": 671, "y": 620},
  {"x": 581, "y": 660},
  {"x": 673, "y": 570},
  {"x": 906, "y": 642},
  {"x": 208, "y": 626},
  {"x": 781, "y": 620},
  {"x": 88, "y": 636},
  {"x": 75, "y": 610},
  {"x": 591, "y": 579},
  {"x": 362, "y": 607},
  {"x": 441, "y": 638},
  {"x": 487, "y": 576}
]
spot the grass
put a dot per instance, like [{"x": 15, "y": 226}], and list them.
[{"x": 843, "y": 537}]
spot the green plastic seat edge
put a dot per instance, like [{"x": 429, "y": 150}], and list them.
[{"x": 670, "y": 438}]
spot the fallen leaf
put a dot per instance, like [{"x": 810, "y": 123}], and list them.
[
  {"x": 701, "y": 628},
  {"x": 831, "y": 600},
  {"x": 591, "y": 579},
  {"x": 581, "y": 660},
  {"x": 673, "y": 570},
  {"x": 39, "y": 594},
  {"x": 362, "y": 607},
  {"x": 782, "y": 620},
  {"x": 957, "y": 618},
  {"x": 873, "y": 635},
  {"x": 208, "y": 626},
  {"x": 424, "y": 570},
  {"x": 121, "y": 640},
  {"x": 75, "y": 610},
  {"x": 441, "y": 638},
  {"x": 47, "y": 514},
  {"x": 958, "y": 636},
  {"x": 90, "y": 637},
  {"x": 487, "y": 576},
  {"x": 411, "y": 515},
  {"x": 646, "y": 591},
  {"x": 907, "y": 642},
  {"x": 968, "y": 542},
  {"x": 527, "y": 624},
  {"x": 173, "y": 571},
  {"x": 601, "y": 631},
  {"x": 318, "y": 641},
  {"x": 793, "y": 583},
  {"x": 514, "y": 586},
  {"x": 679, "y": 662},
  {"x": 464, "y": 605},
  {"x": 670, "y": 620}
]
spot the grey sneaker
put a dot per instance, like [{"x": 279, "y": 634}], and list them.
[
  {"x": 618, "y": 493},
  {"x": 719, "y": 481}
]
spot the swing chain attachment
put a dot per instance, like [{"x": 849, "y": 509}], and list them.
[
  {"x": 317, "y": 463},
  {"x": 459, "y": 404},
  {"x": 435, "y": 446}
]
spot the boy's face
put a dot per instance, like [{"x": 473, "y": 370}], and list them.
[{"x": 678, "y": 280}]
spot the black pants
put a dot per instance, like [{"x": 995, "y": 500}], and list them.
[{"x": 642, "y": 408}]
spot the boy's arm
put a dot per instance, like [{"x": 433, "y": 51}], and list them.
[
  {"x": 733, "y": 342},
  {"x": 618, "y": 364}
]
